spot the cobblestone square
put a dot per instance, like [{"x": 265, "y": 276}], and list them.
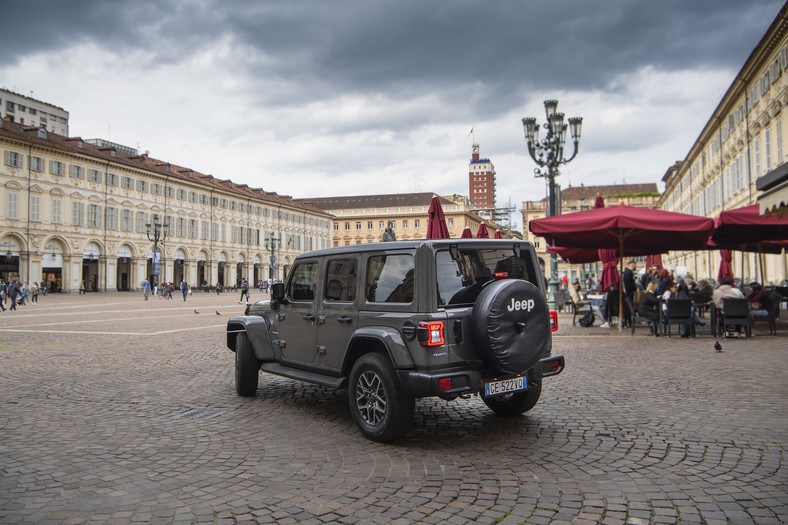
[{"x": 119, "y": 410}]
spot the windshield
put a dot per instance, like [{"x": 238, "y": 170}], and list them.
[{"x": 461, "y": 280}]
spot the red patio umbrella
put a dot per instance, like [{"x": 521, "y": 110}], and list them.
[
  {"x": 747, "y": 226},
  {"x": 497, "y": 235},
  {"x": 482, "y": 233},
  {"x": 726, "y": 270},
  {"x": 466, "y": 233},
  {"x": 589, "y": 255},
  {"x": 618, "y": 226},
  {"x": 436, "y": 225}
]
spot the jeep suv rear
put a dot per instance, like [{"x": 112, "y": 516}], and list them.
[{"x": 396, "y": 321}]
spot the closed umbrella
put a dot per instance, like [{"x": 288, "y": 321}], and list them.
[
  {"x": 482, "y": 233},
  {"x": 436, "y": 224},
  {"x": 726, "y": 270},
  {"x": 466, "y": 233},
  {"x": 610, "y": 276},
  {"x": 497, "y": 235}
]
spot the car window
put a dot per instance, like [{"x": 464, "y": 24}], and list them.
[
  {"x": 341, "y": 277},
  {"x": 303, "y": 282},
  {"x": 461, "y": 280},
  {"x": 390, "y": 279}
]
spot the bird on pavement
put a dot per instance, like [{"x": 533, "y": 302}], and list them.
[
  {"x": 196, "y": 312},
  {"x": 717, "y": 346},
  {"x": 217, "y": 312}
]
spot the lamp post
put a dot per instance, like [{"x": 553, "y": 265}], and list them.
[
  {"x": 156, "y": 234},
  {"x": 272, "y": 245},
  {"x": 549, "y": 155}
]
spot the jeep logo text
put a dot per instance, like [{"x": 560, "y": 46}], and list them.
[{"x": 521, "y": 305}]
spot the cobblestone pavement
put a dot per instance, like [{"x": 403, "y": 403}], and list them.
[{"x": 117, "y": 410}]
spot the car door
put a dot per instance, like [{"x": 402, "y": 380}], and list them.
[
  {"x": 298, "y": 314},
  {"x": 337, "y": 316}
]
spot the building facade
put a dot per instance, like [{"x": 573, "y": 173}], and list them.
[
  {"x": 31, "y": 112},
  {"x": 78, "y": 215},
  {"x": 743, "y": 140},
  {"x": 579, "y": 198},
  {"x": 481, "y": 183},
  {"x": 363, "y": 219}
]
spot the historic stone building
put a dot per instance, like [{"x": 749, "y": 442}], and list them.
[
  {"x": 743, "y": 140},
  {"x": 77, "y": 214},
  {"x": 578, "y": 198},
  {"x": 363, "y": 219}
]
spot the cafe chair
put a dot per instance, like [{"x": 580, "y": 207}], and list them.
[
  {"x": 774, "y": 312},
  {"x": 679, "y": 312},
  {"x": 701, "y": 303},
  {"x": 736, "y": 312}
]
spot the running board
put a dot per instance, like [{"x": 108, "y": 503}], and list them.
[{"x": 303, "y": 375}]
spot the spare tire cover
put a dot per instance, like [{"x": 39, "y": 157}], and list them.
[{"x": 511, "y": 325}]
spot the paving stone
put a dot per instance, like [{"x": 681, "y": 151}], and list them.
[{"x": 636, "y": 430}]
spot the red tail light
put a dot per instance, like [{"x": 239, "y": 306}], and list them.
[
  {"x": 431, "y": 333},
  {"x": 553, "y": 320},
  {"x": 445, "y": 383}
]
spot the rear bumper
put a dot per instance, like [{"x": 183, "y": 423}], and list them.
[{"x": 426, "y": 384}]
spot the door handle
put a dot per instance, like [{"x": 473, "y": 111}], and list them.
[
  {"x": 309, "y": 317},
  {"x": 345, "y": 320}
]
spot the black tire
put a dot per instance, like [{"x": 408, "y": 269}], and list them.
[
  {"x": 247, "y": 366},
  {"x": 511, "y": 341},
  {"x": 517, "y": 403},
  {"x": 380, "y": 407}
]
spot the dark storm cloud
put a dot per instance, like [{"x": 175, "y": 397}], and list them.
[
  {"x": 375, "y": 44},
  {"x": 405, "y": 48}
]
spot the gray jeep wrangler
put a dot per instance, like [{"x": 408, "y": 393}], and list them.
[{"x": 396, "y": 321}]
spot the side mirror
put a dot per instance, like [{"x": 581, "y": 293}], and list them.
[{"x": 277, "y": 292}]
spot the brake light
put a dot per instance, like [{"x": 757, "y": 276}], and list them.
[
  {"x": 431, "y": 333},
  {"x": 501, "y": 275},
  {"x": 445, "y": 383},
  {"x": 553, "y": 320}
]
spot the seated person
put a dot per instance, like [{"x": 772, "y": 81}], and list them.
[
  {"x": 574, "y": 294},
  {"x": 760, "y": 304},
  {"x": 725, "y": 291},
  {"x": 649, "y": 307}
]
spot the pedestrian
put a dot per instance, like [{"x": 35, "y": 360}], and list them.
[
  {"x": 34, "y": 290},
  {"x": 244, "y": 290},
  {"x": 184, "y": 288},
  {"x": 3, "y": 294},
  {"x": 630, "y": 287},
  {"x": 146, "y": 288},
  {"x": 82, "y": 287},
  {"x": 649, "y": 307},
  {"x": 24, "y": 292},
  {"x": 13, "y": 292},
  {"x": 170, "y": 289}
]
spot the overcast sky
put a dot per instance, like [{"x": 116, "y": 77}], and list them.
[{"x": 320, "y": 98}]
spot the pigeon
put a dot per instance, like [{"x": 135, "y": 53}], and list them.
[
  {"x": 217, "y": 312},
  {"x": 196, "y": 312},
  {"x": 717, "y": 346}
]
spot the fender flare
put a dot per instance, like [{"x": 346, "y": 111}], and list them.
[
  {"x": 257, "y": 329},
  {"x": 389, "y": 338}
]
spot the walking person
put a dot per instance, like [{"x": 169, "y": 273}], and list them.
[
  {"x": 13, "y": 292},
  {"x": 3, "y": 295},
  {"x": 34, "y": 290},
  {"x": 146, "y": 288},
  {"x": 244, "y": 290},
  {"x": 184, "y": 288}
]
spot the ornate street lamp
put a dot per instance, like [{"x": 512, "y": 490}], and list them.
[
  {"x": 156, "y": 234},
  {"x": 272, "y": 245},
  {"x": 549, "y": 155}
]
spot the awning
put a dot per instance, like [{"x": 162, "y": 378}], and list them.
[{"x": 773, "y": 199}]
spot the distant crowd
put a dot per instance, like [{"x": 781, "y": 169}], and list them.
[{"x": 13, "y": 294}]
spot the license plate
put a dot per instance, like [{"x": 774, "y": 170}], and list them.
[{"x": 504, "y": 386}]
